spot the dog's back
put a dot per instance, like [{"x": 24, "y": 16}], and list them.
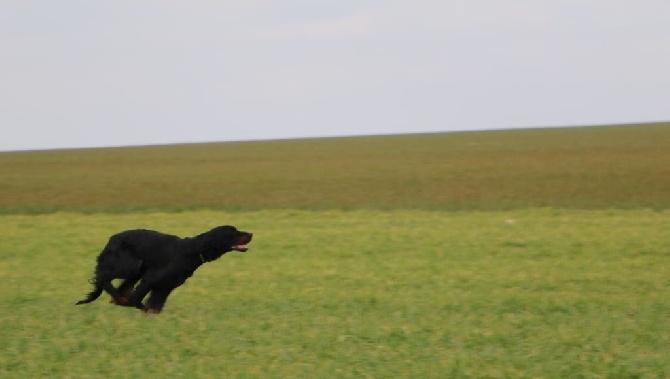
[{"x": 146, "y": 245}]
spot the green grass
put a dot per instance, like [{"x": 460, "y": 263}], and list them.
[
  {"x": 581, "y": 168},
  {"x": 413, "y": 294}
]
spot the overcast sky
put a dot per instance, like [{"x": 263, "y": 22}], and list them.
[{"x": 94, "y": 73}]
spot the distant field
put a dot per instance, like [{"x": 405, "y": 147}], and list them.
[
  {"x": 580, "y": 168},
  {"x": 361, "y": 294}
]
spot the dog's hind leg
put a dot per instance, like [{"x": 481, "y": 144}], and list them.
[
  {"x": 140, "y": 292},
  {"x": 127, "y": 287},
  {"x": 104, "y": 280},
  {"x": 126, "y": 291}
]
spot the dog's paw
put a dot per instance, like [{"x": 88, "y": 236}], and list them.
[{"x": 119, "y": 301}]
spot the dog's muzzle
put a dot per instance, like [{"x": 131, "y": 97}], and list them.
[{"x": 242, "y": 243}]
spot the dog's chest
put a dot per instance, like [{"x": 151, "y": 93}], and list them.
[{"x": 178, "y": 276}]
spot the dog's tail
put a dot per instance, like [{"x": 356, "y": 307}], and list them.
[{"x": 97, "y": 291}]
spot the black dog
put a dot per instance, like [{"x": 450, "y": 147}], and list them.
[{"x": 159, "y": 262}]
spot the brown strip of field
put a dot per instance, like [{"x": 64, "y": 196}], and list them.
[{"x": 586, "y": 168}]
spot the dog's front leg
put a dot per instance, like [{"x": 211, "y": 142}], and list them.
[{"x": 157, "y": 300}]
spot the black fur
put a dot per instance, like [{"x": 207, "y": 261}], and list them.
[{"x": 158, "y": 262}]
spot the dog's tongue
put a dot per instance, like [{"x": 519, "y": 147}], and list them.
[{"x": 241, "y": 248}]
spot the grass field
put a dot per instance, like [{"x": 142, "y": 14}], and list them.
[
  {"x": 429, "y": 264},
  {"x": 535, "y": 293}
]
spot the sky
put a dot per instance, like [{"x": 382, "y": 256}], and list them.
[{"x": 90, "y": 73}]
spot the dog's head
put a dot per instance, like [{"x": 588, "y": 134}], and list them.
[{"x": 223, "y": 239}]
